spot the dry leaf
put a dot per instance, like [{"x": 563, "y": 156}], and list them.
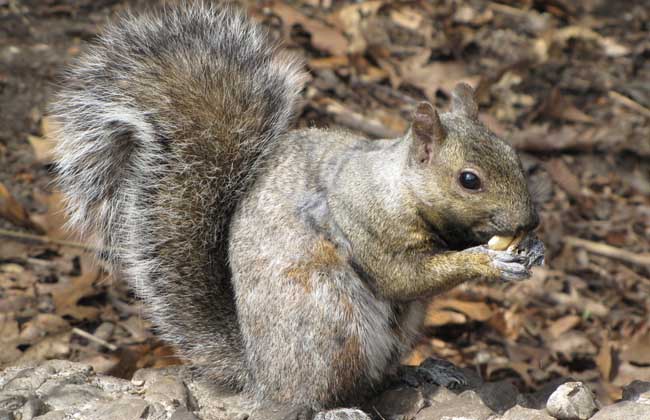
[
  {"x": 478, "y": 311},
  {"x": 562, "y": 325},
  {"x": 573, "y": 344},
  {"x": 508, "y": 323},
  {"x": 637, "y": 350},
  {"x": 323, "y": 37},
  {"x": 42, "y": 148},
  {"x": 564, "y": 177},
  {"x": 436, "y": 318},
  {"x": 51, "y": 347},
  {"x": 352, "y": 19},
  {"x": 604, "y": 359},
  {"x": 69, "y": 290},
  {"x": 406, "y": 17},
  {"x": 416, "y": 71},
  {"x": 14, "y": 212}
]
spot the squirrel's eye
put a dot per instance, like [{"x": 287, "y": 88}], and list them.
[{"x": 469, "y": 180}]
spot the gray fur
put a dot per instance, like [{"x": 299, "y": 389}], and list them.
[
  {"x": 149, "y": 115},
  {"x": 289, "y": 264}
]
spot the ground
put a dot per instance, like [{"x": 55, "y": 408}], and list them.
[{"x": 567, "y": 83}]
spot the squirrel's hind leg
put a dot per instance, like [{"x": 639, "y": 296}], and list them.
[{"x": 314, "y": 333}]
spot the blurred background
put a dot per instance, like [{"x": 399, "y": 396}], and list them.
[{"x": 567, "y": 83}]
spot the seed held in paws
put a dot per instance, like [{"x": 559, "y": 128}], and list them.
[{"x": 501, "y": 243}]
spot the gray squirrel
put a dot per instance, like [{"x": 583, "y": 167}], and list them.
[{"x": 291, "y": 265}]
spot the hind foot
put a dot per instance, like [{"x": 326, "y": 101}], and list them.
[{"x": 435, "y": 371}]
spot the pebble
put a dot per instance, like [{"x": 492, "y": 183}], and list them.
[{"x": 572, "y": 401}]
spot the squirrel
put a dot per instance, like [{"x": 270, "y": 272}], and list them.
[{"x": 288, "y": 264}]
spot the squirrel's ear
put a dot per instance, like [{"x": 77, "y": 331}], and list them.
[
  {"x": 463, "y": 102},
  {"x": 428, "y": 131}
]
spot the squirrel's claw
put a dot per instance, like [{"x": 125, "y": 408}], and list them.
[
  {"x": 511, "y": 271},
  {"x": 511, "y": 265}
]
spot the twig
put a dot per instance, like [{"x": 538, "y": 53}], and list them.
[
  {"x": 605, "y": 250},
  {"x": 629, "y": 103},
  {"x": 88, "y": 336},
  {"x": 21, "y": 236},
  {"x": 357, "y": 121}
]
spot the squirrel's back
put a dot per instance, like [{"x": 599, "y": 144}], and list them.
[{"x": 164, "y": 122}]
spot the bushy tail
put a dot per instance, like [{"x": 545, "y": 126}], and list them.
[{"x": 165, "y": 122}]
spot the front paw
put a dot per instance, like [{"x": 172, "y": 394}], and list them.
[{"x": 510, "y": 265}]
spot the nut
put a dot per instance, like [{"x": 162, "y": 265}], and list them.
[{"x": 501, "y": 243}]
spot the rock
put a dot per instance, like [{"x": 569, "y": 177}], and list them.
[
  {"x": 518, "y": 413},
  {"x": 122, "y": 409},
  {"x": 625, "y": 410},
  {"x": 183, "y": 414},
  {"x": 499, "y": 396},
  {"x": 163, "y": 386},
  {"x": 466, "y": 406},
  {"x": 571, "y": 401},
  {"x": 399, "y": 403},
  {"x": 52, "y": 415},
  {"x": 60, "y": 390},
  {"x": 537, "y": 400},
  {"x": 436, "y": 394},
  {"x": 637, "y": 391}
]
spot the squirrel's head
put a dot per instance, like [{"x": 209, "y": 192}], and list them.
[{"x": 468, "y": 184}]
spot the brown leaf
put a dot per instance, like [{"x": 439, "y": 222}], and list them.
[
  {"x": 51, "y": 347},
  {"x": 508, "y": 323},
  {"x": 573, "y": 344},
  {"x": 407, "y": 18},
  {"x": 42, "y": 148},
  {"x": 604, "y": 359},
  {"x": 323, "y": 37},
  {"x": 564, "y": 177},
  {"x": 558, "y": 106},
  {"x": 436, "y": 318},
  {"x": 42, "y": 325},
  {"x": 562, "y": 325},
  {"x": 477, "y": 311},
  {"x": 53, "y": 221},
  {"x": 14, "y": 212},
  {"x": 637, "y": 351},
  {"x": 431, "y": 77},
  {"x": 539, "y": 138},
  {"x": 69, "y": 290},
  {"x": 353, "y": 20}
]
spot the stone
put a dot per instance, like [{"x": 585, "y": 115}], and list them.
[
  {"x": 434, "y": 394},
  {"x": 625, "y": 410},
  {"x": 52, "y": 415},
  {"x": 68, "y": 395},
  {"x": 637, "y": 391},
  {"x": 399, "y": 403},
  {"x": 467, "y": 406},
  {"x": 181, "y": 413},
  {"x": 537, "y": 400},
  {"x": 519, "y": 413},
  {"x": 498, "y": 396},
  {"x": 122, "y": 409},
  {"x": 163, "y": 386},
  {"x": 571, "y": 401}
]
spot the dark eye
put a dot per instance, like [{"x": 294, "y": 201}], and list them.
[{"x": 469, "y": 180}]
